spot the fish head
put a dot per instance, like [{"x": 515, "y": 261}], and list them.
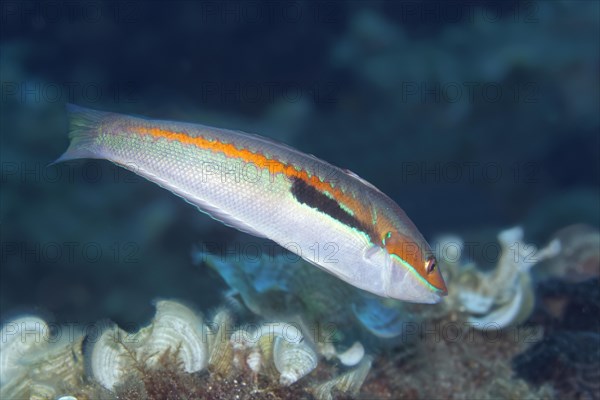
[{"x": 411, "y": 272}]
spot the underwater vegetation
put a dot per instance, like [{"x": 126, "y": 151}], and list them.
[
  {"x": 473, "y": 345},
  {"x": 34, "y": 367},
  {"x": 171, "y": 356},
  {"x": 504, "y": 296}
]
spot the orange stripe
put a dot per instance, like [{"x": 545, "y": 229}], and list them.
[
  {"x": 274, "y": 166},
  {"x": 229, "y": 150}
]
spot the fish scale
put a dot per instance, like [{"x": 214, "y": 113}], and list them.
[{"x": 328, "y": 216}]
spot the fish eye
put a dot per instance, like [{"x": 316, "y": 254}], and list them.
[{"x": 430, "y": 265}]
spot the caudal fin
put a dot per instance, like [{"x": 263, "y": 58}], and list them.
[{"x": 84, "y": 128}]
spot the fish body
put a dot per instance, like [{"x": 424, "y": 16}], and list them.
[{"x": 327, "y": 215}]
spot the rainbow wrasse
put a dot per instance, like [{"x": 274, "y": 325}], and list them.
[{"x": 327, "y": 215}]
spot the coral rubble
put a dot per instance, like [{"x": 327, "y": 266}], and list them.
[
  {"x": 177, "y": 354},
  {"x": 504, "y": 297}
]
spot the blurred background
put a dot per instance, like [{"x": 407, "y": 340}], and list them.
[{"x": 473, "y": 117}]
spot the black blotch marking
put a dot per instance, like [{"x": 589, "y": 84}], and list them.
[{"x": 306, "y": 194}]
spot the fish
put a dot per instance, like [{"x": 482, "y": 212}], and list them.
[{"x": 326, "y": 215}]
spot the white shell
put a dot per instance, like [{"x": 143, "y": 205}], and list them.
[
  {"x": 176, "y": 328},
  {"x": 19, "y": 340},
  {"x": 327, "y": 350},
  {"x": 293, "y": 360},
  {"x": 19, "y": 388},
  {"x": 109, "y": 359},
  {"x": 353, "y": 355},
  {"x": 347, "y": 383},
  {"x": 254, "y": 361},
  {"x": 349, "y": 358},
  {"x": 42, "y": 391},
  {"x": 505, "y": 296},
  {"x": 34, "y": 363},
  {"x": 501, "y": 317},
  {"x": 220, "y": 347},
  {"x": 288, "y": 332},
  {"x": 63, "y": 359},
  {"x": 475, "y": 302}
]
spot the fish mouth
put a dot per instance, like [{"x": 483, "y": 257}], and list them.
[{"x": 405, "y": 284}]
